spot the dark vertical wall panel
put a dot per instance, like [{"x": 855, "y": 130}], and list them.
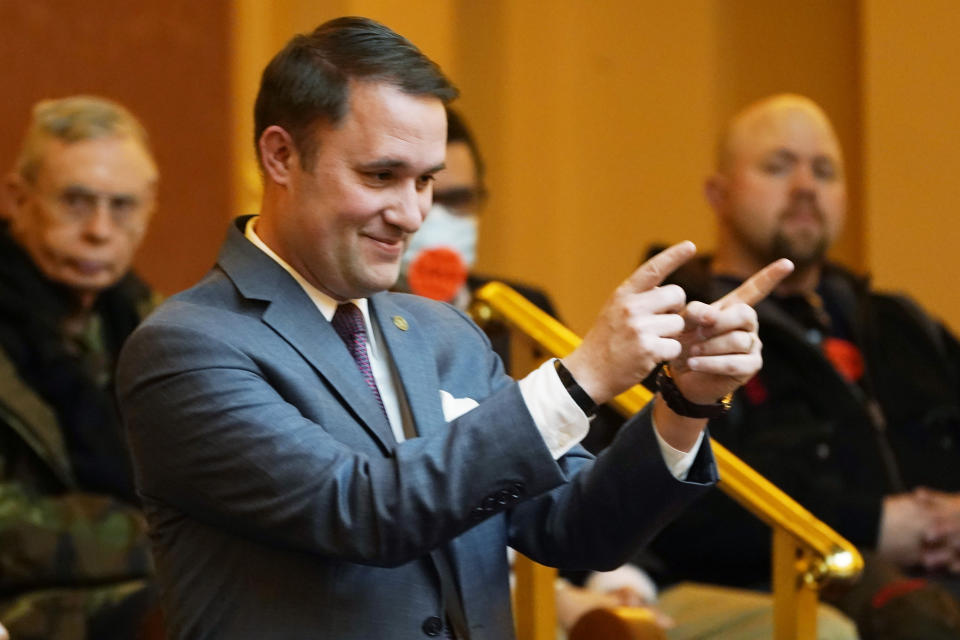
[{"x": 166, "y": 60}]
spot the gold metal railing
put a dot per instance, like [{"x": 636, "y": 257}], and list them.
[{"x": 806, "y": 553}]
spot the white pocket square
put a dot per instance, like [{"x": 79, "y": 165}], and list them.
[{"x": 453, "y": 408}]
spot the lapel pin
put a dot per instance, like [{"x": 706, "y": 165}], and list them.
[{"x": 400, "y": 323}]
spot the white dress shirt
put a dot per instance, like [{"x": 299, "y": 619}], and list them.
[{"x": 561, "y": 423}]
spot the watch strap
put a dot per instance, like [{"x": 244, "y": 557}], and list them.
[
  {"x": 681, "y": 405},
  {"x": 579, "y": 396}
]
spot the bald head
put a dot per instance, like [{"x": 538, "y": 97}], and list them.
[
  {"x": 778, "y": 190},
  {"x": 770, "y": 119}
]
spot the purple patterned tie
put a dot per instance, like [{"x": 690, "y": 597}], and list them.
[{"x": 349, "y": 325}]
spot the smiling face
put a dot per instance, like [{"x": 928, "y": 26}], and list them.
[
  {"x": 83, "y": 216},
  {"x": 343, "y": 224},
  {"x": 780, "y": 191}
]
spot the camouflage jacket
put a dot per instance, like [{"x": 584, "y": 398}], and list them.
[{"x": 68, "y": 552}]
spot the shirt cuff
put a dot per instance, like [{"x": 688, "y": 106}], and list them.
[
  {"x": 678, "y": 462},
  {"x": 561, "y": 423}
]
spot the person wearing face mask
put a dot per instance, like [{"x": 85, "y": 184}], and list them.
[
  {"x": 441, "y": 254},
  {"x": 438, "y": 263}
]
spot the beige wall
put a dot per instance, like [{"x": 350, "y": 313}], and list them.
[
  {"x": 597, "y": 118},
  {"x": 165, "y": 60},
  {"x": 598, "y": 121},
  {"x": 912, "y": 166}
]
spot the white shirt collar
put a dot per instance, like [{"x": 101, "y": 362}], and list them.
[{"x": 326, "y": 304}]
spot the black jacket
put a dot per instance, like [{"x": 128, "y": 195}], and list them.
[
  {"x": 74, "y": 555},
  {"x": 836, "y": 447}
]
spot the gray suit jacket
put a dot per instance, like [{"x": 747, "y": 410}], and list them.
[{"x": 280, "y": 505}]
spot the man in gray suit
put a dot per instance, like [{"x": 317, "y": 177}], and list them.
[{"x": 321, "y": 458}]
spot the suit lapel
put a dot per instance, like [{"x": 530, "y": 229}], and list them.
[
  {"x": 412, "y": 353},
  {"x": 296, "y": 319},
  {"x": 304, "y": 327}
]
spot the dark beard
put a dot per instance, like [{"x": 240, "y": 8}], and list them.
[
  {"x": 802, "y": 249},
  {"x": 802, "y": 254}
]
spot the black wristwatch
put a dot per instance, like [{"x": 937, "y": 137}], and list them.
[
  {"x": 581, "y": 397},
  {"x": 679, "y": 403}
]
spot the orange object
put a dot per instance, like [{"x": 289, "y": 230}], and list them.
[
  {"x": 846, "y": 358},
  {"x": 437, "y": 273}
]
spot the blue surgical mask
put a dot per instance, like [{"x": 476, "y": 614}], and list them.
[{"x": 442, "y": 228}]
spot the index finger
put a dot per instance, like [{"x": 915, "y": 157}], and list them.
[
  {"x": 759, "y": 285},
  {"x": 653, "y": 271}
]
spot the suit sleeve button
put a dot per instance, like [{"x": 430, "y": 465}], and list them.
[{"x": 433, "y": 626}]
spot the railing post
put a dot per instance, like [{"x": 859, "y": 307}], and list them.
[
  {"x": 535, "y": 608},
  {"x": 794, "y": 590},
  {"x": 534, "y": 600}
]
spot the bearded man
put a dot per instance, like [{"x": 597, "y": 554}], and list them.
[{"x": 856, "y": 412}]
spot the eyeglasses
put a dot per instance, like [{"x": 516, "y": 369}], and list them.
[
  {"x": 77, "y": 204},
  {"x": 460, "y": 199}
]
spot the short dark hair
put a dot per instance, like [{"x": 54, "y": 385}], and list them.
[
  {"x": 308, "y": 80},
  {"x": 458, "y": 131}
]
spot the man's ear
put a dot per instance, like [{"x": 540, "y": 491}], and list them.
[
  {"x": 277, "y": 153},
  {"x": 715, "y": 190},
  {"x": 13, "y": 197}
]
